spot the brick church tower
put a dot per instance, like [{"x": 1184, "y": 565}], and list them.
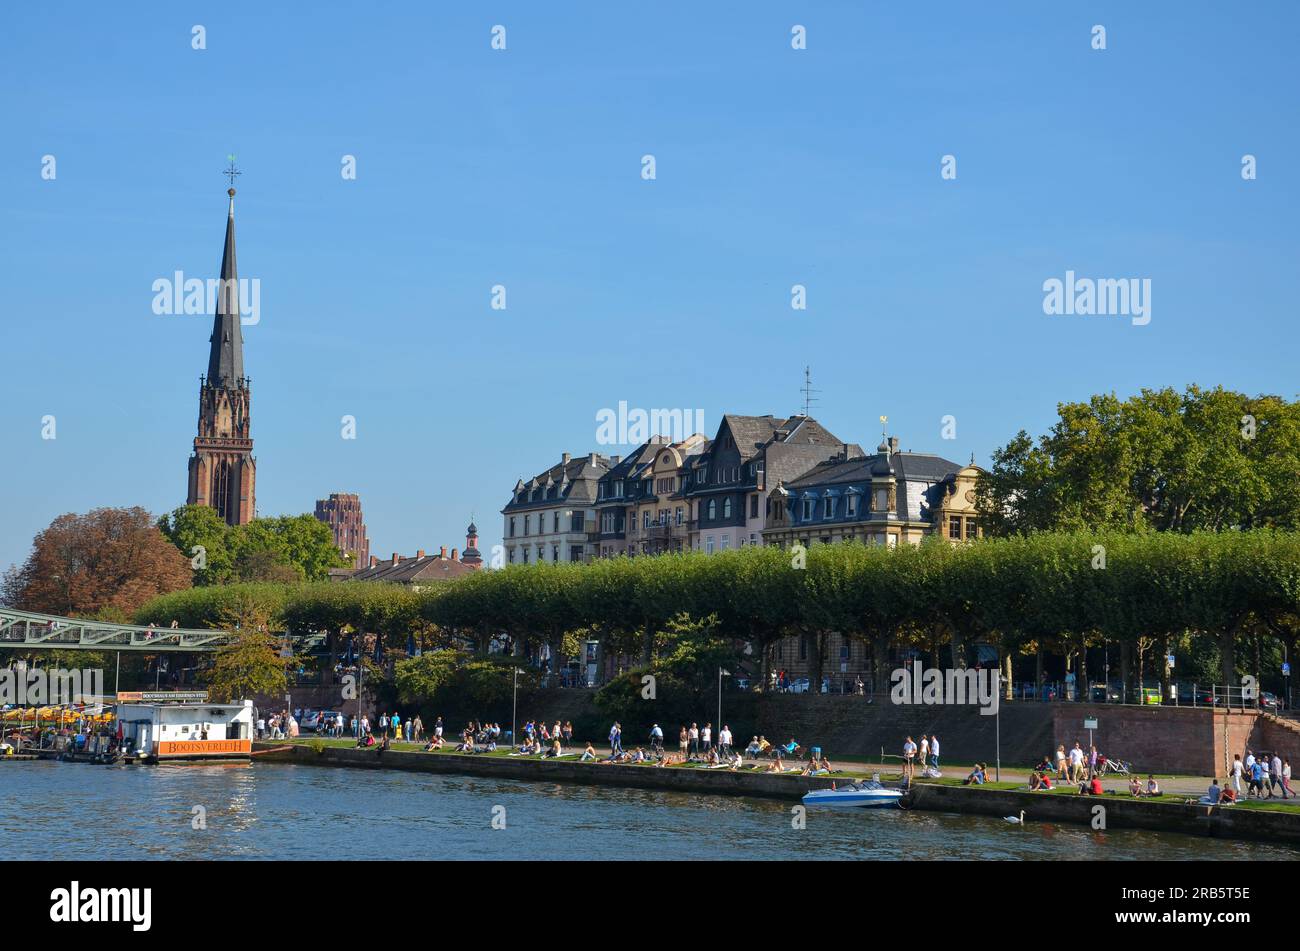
[{"x": 223, "y": 473}]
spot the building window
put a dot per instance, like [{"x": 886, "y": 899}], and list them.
[
  {"x": 828, "y": 507},
  {"x": 882, "y": 500},
  {"x": 724, "y": 543},
  {"x": 525, "y": 552},
  {"x": 954, "y": 527},
  {"x": 577, "y": 522},
  {"x": 971, "y": 529},
  {"x": 645, "y": 519},
  {"x": 803, "y": 647},
  {"x": 575, "y": 552},
  {"x": 753, "y": 538},
  {"x": 708, "y": 544},
  {"x": 679, "y": 515},
  {"x": 753, "y": 506},
  {"x": 713, "y": 510},
  {"x": 511, "y": 553},
  {"x": 807, "y": 510},
  {"x": 618, "y": 488},
  {"x": 512, "y": 526},
  {"x": 555, "y": 553},
  {"x": 851, "y": 506},
  {"x": 726, "y": 508},
  {"x": 555, "y": 522},
  {"x": 527, "y": 521}
]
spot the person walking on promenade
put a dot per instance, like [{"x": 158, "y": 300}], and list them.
[
  {"x": 395, "y": 722},
  {"x": 683, "y": 741},
  {"x": 568, "y": 732},
  {"x": 1061, "y": 772},
  {"x": 656, "y": 739},
  {"x": 1287, "y": 791},
  {"x": 909, "y": 759},
  {"x": 419, "y": 728},
  {"x": 338, "y": 725},
  {"x": 1092, "y": 761},
  {"x": 934, "y": 752},
  {"x": 615, "y": 739},
  {"x": 1275, "y": 776},
  {"x": 1237, "y": 770},
  {"x": 724, "y": 740},
  {"x": 383, "y": 724},
  {"x": 1076, "y": 764},
  {"x": 261, "y": 727},
  {"x": 437, "y": 728},
  {"x": 706, "y": 738},
  {"x": 923, "y": 756},
  {"x": 695, "y": 740}
]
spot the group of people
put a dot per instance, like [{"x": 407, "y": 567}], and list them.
[
  {"x": 926, "y": 755},
  {"x": 1263, "y": 772},
  {"x": 279, "y": 726}
]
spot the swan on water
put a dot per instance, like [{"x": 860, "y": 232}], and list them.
[{"x": 1015, "y": 820}]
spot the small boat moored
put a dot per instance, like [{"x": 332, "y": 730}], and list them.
[{"x": 867, "y": 794}]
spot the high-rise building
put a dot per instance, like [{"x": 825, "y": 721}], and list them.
[
  {"x": 342, "y": 513},
  {"x": 223, "y": 472}
]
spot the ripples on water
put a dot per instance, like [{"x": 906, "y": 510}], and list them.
[{"x": 281, "y": 811}]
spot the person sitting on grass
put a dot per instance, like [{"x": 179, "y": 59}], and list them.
[
  {"x": 1228, "y": 795},
  {"x": 554, "y": 751},
  {"x": 976, "y": 777},
  {"x": 1135, "y": 787},
  {"x": 589, "y": 753},
  {"x": 1044, "y": 766},
  {"x": 753, "y": 749},
  {"x": 434, "y": 744},
  {"x": 1092, "y": 787},
  {"x": 1039, "y": 781},
  {"x": 777, "y": 766},
  {"x": 1153, "y": 787}
]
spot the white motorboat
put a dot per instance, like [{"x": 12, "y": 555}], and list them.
[{"x": 867, "y": 794}]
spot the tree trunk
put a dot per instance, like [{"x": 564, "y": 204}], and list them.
[
  {"x": 1007, "y": 685},
  {"x": 879, "y": 659},
  {"x": 1038, "y": 674},
  {"x": 1227, "y": 659},
  {"x": 958, "y": 650},
  {"x": 1164, "y": 666},
  {"x": 648, "y": 646},
  {"x": 1081, "y": 688},
  {"x": 1125, "y": 670}
]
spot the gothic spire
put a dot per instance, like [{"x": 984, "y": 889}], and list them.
[{"x": 226, "y": 362}]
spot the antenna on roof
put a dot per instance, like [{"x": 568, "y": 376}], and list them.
[{"x": 808, "y": 391}]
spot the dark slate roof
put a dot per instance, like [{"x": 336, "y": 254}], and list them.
[
  {"x": 572, "y": 481},
  {"x": 226, "y": 361},
  {"x": 909, "y": 466},
  {"x": 411, "y": 570}
]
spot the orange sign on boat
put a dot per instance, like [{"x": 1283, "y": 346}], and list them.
[{"x": 204, "y": 747}]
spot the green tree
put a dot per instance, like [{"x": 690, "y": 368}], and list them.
[{"x": 251, "y": 664}]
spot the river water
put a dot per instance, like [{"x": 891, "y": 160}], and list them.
[{"x": 284, "y": 811}]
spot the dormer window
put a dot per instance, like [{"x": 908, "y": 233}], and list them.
[
  {"x": 807, "y": 510},
  {"x": 828, "y": 507},
  {"x": 851, "y": 506}
]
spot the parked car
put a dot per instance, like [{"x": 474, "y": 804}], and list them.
[
  {"x": 798, "y": 686},
  {"x": 318, "y": 720},
  {"x": 1149, "y": 696},
  {"x": 1104, "y": 693},
  {"x": 1270, "y": 701}
]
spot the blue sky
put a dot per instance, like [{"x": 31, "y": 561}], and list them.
[{"x": 522, "y": 167}]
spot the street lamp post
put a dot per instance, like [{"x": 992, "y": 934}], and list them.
[
  {"x": 514, "y": 707},
  {"x": 997, "y": 726}
]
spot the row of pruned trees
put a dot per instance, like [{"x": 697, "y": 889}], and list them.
[{"x": 1046, "y": 592}]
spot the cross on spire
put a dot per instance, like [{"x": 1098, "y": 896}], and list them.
[{"x": 231, "y": 172}]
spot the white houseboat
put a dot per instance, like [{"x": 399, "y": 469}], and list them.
[{"x": 187, "y": 727}]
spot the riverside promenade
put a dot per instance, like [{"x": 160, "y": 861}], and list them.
[{"x": 1268, "y": 821}]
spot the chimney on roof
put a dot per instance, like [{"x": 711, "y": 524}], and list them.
[
  {"x": 453, "y": 555},
  {"x": 374, "y": 560},
  {"x": 564, "y": 458},
  {"x": 396, "y": 558},
  {"x": 613, "y": 460},
  {"x": 846, "y": 451},
  {"x": 444, "y": 552},
  {"x": 419, "y": 553},
  {"x": 591, "y": 458}
]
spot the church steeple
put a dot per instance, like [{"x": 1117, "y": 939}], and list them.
[
  {"x": 223, "y": 472},
  {"x": 226, "y": 360}
]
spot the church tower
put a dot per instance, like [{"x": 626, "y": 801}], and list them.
[{"x": 223, "y": 473}]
